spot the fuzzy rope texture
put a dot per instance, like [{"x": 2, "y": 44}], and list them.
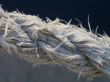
[{"x": 54, "y": 42}]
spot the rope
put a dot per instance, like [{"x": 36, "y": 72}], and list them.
[{"x": 53, "y": 42}]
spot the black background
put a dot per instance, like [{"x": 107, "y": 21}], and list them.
[
  {"x": 13, "y": 69},
  {"x": 99, "y": 10}
]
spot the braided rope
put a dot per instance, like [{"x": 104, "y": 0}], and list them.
[{"x": 53, "y": 42}]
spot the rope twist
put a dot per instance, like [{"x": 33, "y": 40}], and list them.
[{"x": 54, "y": 42}]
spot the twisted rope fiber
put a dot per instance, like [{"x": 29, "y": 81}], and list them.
[{"x": 53, "y": 42}]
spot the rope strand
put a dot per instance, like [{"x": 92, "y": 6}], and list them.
[{"x": 55, "y": 42}]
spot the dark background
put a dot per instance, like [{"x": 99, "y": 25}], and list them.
[
  {"x": 99, "y": 10},
  {"x": 15, "y": 70}
]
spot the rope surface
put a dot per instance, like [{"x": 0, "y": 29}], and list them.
[{"x": 54, "y": 42}]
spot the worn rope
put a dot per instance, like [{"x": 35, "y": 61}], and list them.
[{"x": 53, "y": 42}]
